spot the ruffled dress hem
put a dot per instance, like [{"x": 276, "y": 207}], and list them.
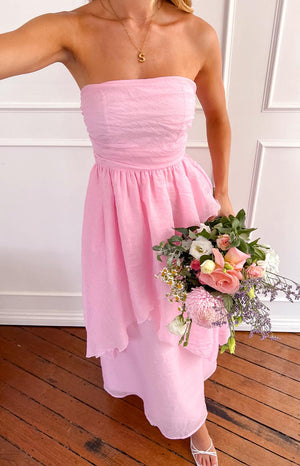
[{"x": 148, "y": 417}]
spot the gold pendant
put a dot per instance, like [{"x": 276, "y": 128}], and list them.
[{"x": 141, "y": 57}]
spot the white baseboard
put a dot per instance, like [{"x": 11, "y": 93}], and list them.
[{"x": 67, "y": 311}]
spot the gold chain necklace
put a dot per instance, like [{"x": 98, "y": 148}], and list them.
[{"x": 141, "y": 55}]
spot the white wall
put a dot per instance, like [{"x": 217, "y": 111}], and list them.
[{"x": 46, "y": 156}]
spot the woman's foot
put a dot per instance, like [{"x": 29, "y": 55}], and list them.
[{"x": 201, "y": 440}]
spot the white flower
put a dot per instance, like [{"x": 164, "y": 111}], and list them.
[
  {"x": 203, "y": 227},
  {"x": 177, "y": 326},
  {"x": 271, "y": 262},
  {"x": 208, "y": 266},
  {"x": 200, "y": 247}
]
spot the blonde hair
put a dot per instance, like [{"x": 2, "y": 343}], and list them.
[{"x": 184, "y": 5}]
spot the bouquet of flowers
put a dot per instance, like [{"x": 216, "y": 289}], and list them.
[{"x": 217, "y": 273}]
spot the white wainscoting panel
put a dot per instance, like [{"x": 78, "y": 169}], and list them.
[{"x": 46, "y": 157}]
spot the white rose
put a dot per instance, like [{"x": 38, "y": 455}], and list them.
[
  {"x": 208, "y": 266},
  {"x": 177, "y": 326},
  {"x": 200, "y": 247}
]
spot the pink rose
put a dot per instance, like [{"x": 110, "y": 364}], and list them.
[
  {"x": 223, "y": 242},
  {"x": 195, "y": 264},
  {"x": 226, "y": 282},
  {"x": 254, "y": 271}
]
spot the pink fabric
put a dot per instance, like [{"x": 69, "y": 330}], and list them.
[
  {"x": 141, "y": 186},
  {"x": 167, "y": 378}
]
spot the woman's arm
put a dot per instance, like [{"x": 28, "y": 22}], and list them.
[
  {"x": 211, "y": 94},
  {"x": 43, "y": 40}
]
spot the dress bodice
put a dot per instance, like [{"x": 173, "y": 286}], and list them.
[{"x": 139, "y": 122}]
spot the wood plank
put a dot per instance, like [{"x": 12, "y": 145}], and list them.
[
  {"x": 87, "y": 405},
  {"x": 73, "y": 437},
  {"x": 50, "y": 350},
  {"x": 36, "y": 344},
  {"x": 45, "y": 347},
  {"x": 246, "y": 451},
  {"x": 35, "y": 442},
  {"x": 260, "y": 374},
  {"x": 33, "y": 386},
  {"x": 79, "y": 332},
  {"x": 12, "y": 455},
  {"x": 245, "y": 427},
  {"x": 58, "y": 352},
  {"x": 180, "y": 447},
  {"x": 253, "y": 409},
  {"x": 56, "y": 336},
  {"x": 267, "y": 360},
  {"x": 270, "y": 346},
  {"x": 65, "y": 340},
  {"x": 291, "y": 339},
  {"x": 283, "y": 403}
]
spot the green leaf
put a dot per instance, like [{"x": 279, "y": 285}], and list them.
[
  {"x": 243, "y": 246},
  {"x": 259, "y": 254},
  {"x": 205, "y": 234},
  {"x": 235, "y": 243},
  {"x": 231, "y": 236},
  {"x": 235, "y": 223},
  {"x": 192, "y": 234},
  {"x": 241, "y": 215},
  {"x": 186, "y": 244},
  {"x": 184, "y": 231},
  {"x": 228, "y": 301},
  {"x": 223, "y": 348},
  {"x": 248, "y": 230},
  {"x": 204, "y": 257},
  {"x": 175, "y": 238},
  {"x": 180, "y": 248}
]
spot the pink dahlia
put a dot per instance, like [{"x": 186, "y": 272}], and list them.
[{"x": 205, "y": 309}]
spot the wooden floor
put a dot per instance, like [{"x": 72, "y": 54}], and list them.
[{"x": 54, "y": 410}]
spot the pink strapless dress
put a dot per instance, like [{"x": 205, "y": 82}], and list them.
[{"x": 141, "y": 186}]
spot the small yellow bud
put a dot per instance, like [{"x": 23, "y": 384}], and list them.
[
  {"x": 231, "y": 344},
  {"x": 228, "y": 266},
  {"x": 251, "y": 293}
]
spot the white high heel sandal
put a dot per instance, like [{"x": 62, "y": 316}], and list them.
[{"x": 195, "y": 451}]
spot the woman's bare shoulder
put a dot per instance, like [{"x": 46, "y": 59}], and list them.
[
  {"x": 201, "y": 29},
  {"x": 75, "y": 23},
  {"x": 85, "y": 14}
]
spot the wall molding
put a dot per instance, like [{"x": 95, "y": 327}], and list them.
[
  {"x": 227, "y": 40},
  {"x": 272, "y": 67},
  {"x": 44, "y": 142},
  {"x": 75, "y": 318},
  {"x": 261, "y": 147},
  {"x": 39, "y": 107}
]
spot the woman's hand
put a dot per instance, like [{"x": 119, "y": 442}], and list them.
[{"x": 226, "y": 207}]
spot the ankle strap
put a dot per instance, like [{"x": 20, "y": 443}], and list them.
[{"x": 197, "y": 452}]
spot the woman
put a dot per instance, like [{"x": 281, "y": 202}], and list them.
[{"x": 139, "y": 65}]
